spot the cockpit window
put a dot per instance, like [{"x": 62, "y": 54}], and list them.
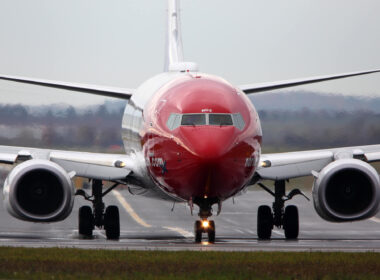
[
  {"x": 238, "y": 121},
  {"x": 177, "y": 120},
  {"x": 193, "y": 119},
  {"x": 220, "y": 119},
  {"x": 174, "y": 121}
]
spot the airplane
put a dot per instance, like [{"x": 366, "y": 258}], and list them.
[{"x": 194, "y": 138}]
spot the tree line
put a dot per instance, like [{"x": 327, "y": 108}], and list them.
[{"x": 100, "y": 128}]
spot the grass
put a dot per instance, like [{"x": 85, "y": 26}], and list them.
[{"x": 53, "y": 263}]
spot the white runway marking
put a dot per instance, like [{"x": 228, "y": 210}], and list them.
[
  {"x": 278, "y": 232},
  {"x": 130, "y": 210},
  {"x": 237, "y": 213},
  {"x": 181, "y": 231},
  {"x": 376, "y": 220},
  {"x": 100, "y": 233}
]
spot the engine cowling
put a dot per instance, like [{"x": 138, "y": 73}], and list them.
[
  {"x": 39, "y": 191},
  {"x": 347, "y": 190}
]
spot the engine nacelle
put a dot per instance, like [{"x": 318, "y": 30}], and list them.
[
  {"x": 39, "y": 191},
  {"x": 347, "y": 190}
]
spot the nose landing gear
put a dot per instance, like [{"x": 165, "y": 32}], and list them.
[{"x": 204, "y": 225}]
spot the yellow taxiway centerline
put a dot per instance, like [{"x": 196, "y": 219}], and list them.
[
  {"x": 130, "y": 210},
  {"x": 140, "y": 221}
]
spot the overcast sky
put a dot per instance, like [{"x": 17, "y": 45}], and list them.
[{"x": 121, "y": 43}]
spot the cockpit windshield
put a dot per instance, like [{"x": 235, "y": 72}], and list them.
[
  {"x": 193, "y": 119},
  {"x": 177, "y": 120},
  {"x": 220, "y": 119}
]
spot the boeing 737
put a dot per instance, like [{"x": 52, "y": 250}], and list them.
[{"x": 194, "y": 138}]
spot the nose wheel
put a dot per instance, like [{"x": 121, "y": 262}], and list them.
[
  {"x": 108, "y": 219},
  {"x": 204, "y": 226}
]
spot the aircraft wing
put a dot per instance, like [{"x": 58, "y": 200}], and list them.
[
  {"x": 282, "y": 166},
  {"x": 89, "y": 165},
  {"x": 92, "y": 89},
  {"x": 256, "y": 88}
]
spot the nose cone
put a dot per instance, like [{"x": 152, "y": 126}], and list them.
[
  {"x": 211, "y": 161},
  {"x": 208, "y": 143}
]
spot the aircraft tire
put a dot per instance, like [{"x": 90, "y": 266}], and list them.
[
  {"x": 86, "y": 221},
  {"x": 198, "y": 231},
  {"x": 264, "y": 222},
  {"x": 211, "y": 232},
  {"x": 112, "y": 222},
  {"x": 291, "y": 222}
]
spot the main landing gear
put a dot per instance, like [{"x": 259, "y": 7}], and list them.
[
  {"x": 285, "y": 217},
  {"x": 89, "y": 218},
  {"x": 204, "y": 225}
]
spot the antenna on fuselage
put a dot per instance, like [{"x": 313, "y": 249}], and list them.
[{"x": 174, "y": 49}]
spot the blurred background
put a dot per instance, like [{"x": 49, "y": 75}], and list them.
[{"x": 291, "y": 120}]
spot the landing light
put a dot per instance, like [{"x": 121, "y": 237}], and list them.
[
  {"x": 119, "y": 164},
  {"x": 266, "y": 163},
  {"x": 205, "y": 224}
]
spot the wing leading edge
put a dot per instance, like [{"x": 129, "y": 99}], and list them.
[
  {"x": 89, "y": 165},
  {"x": 115, "y": 92},
  {"x": 282, "y": 166},
  {"x": 257, "y": 88}
]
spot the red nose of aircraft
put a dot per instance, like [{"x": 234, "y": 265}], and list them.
[
  {"x": 202, "y": 140},
  {"x": 212, "y": 161},
  {"x": 208, "y": 143}
]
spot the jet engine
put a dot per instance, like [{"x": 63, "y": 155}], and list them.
[
  {"x": 39, "y": 191},
  {"x": 347, "y": 190}
]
